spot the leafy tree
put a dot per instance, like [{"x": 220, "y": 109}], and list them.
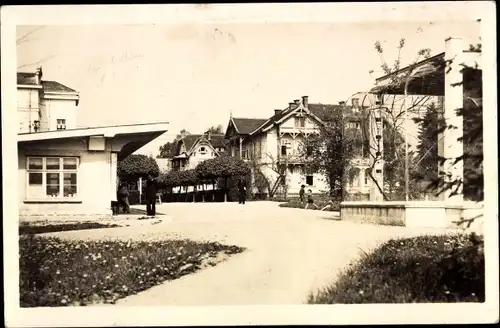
[
  {"x": 329, "y": 151},
  {"x": 216, "y": 129},
  {"x": 427, "y": 160},
  {"x": 166, "y": 149},
  {"x": 137, "y": 166}
]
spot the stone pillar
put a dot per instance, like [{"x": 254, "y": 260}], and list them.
[{"x": 452, "y": 148}]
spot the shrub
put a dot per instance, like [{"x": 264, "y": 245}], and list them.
[
  {"x": 135, "y": 166},
  {"x": 421, "y": 269},
  {"x": 55, "y": 272}
]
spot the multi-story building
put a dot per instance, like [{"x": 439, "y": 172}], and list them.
[
  {"x": 62, "y": 169},
  {"x": 44, "y": 105},
  {"x": 280, "y": 139}
]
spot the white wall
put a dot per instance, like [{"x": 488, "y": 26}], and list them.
[
  {"x": 60, "y": 109},
  {"x": 27, "y": 108},
  {"x": 94, "y": 179}
]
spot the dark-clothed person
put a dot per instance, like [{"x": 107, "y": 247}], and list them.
[
  {"x": 122, "y": 197},
  {"x": 242, "y": 191},
  {"x": 151, "y": 189},
  {"x": 302, "y": 193}
]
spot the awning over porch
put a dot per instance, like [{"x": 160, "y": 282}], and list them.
[
  {"x": 121, "y": 139},
  {"x": 426, "y": 77}
]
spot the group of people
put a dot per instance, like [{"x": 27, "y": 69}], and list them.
[
  {"x": 151, "y": 190},
  {"x": 310, "y": 200}
]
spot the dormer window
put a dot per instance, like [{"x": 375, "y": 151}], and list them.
[{"x": 203, "y": 150}]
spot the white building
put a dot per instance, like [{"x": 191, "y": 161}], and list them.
[
  {"x": 280, "y": 140},
  {"x": 192, "y": 149},
  {"x": 64, "y": 170}
]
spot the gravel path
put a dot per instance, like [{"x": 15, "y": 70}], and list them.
[{"x": 290, "y": 252}]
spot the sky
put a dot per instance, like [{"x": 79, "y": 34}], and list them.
[{"x": 195, "y": 75}]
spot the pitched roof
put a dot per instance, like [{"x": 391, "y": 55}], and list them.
[
  {"x": 216, "y": 140},
  {"x": 247, "y": 125},
  {"x": 26, "y": 78},
  {"x": 53, "y": 86}
]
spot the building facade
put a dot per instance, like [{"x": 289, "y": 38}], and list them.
[
  {"x": 64, "y": 170},
  {"x": 193, "y": 149}
]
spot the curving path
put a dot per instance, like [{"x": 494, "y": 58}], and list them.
[{"x": 290, "y": 252}]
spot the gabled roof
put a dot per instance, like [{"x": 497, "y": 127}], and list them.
[
  {"x": 247, "y": 125},
  {"x": 277, "y": 117},
  {"x": 216, "y": 140}
]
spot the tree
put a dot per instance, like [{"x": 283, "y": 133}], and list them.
[
  {"x": 224, "y": 168},
  {"x": 137, "y": 166},
  {"x": 427, "y": 160},
  {"x": 216, "y": 129},
  {"x": 167, "y": 149},
  {"x": 329, "y": 151}
]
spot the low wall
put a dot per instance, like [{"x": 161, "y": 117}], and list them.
[{"x": 426, "y": 214}]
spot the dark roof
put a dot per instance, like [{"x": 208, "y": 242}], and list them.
[
  {"x": 26, "y": 78},
  {"x": 216, "y": 140},
  {"x": 50, "y": 86},
  {"x": 248, "y": 125},
  {"x": 54, "y": 86},
  {"x": 322, "y": 110}
]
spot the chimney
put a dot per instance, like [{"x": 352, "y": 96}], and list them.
[
  {"x": 38, "y": 74},
  {"x": 297, "y": 102},
  {"x": 341, "y": 103},
  {"x": 305, "y": 101},
  {"x": 355, "y": 102},
  {"x": 277, "y": 111},
  {"x": 291, "y": 105},
  {"x": 209, "y": 135}
]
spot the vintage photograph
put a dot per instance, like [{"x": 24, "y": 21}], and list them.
[{"x": 222, "y": 163}]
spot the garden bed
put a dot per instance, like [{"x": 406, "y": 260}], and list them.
[
  {"x": 56, "y": 272},
  {"x": 43, "y": 227},
  {"x": 413, "y": 270}
]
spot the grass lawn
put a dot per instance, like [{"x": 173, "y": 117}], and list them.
[
  {"x": 410, "y": 270},
  {"x": 28, "y": 228},
  {"x": 56, "y": 272}
]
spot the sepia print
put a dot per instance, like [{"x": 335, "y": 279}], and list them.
[{"x": 223, "y": 161}]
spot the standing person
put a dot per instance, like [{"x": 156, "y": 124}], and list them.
[
  {"x": 302, "y": 193},
  {"x": 151, "y": 196},
  {"x": 310, "y": 200},
  {"x": 242, "y": 191},
  {"x": 122, "y": 197}
]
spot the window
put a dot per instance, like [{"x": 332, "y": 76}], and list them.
[
  {"x": 300, "y": 122},
  {"x": 283, "y": 150},
  {"x": 203, "y": 150},
  {"x": 309, "y": 180},
  {"x": 366, "y": 178},
  {"x": 52, "y": 177},
  {"x": 61, "y": 124},
  {"x": 309, "y": 150}
]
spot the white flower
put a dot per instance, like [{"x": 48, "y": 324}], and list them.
[{"x": 361, "y": 292}]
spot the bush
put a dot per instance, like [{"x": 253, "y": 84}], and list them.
[
  {"x": 421, "y": 269},
  {"x": 55, "y": 272},
  {"x": 134, "y": 167}
]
